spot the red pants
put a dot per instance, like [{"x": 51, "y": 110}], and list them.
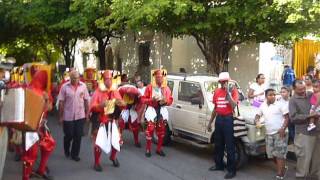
[
  {"x": 133, "y": 126},
  {"x": 160, "y": 130},
  {"x": 29, "y": 157},
  {"x": 97, "y": 151}
]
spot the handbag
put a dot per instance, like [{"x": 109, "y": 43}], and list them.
[
  {"x": 239, "y": 125},
  {"x": 47, "y": 143}
]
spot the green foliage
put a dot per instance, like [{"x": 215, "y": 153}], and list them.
[{"x": 218, "y": 25}]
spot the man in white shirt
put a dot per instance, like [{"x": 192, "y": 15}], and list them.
[{"x": 276, "y": 122}]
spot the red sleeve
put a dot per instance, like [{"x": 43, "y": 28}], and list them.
[
  {"x": 116, "y": 95},
  {"x": 147, "y": 97},
  {"x": 169, "y": 96},
  {"x": 95, "y": 102}
]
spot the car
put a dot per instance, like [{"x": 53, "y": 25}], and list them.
[{"x": 191, "y": 110}]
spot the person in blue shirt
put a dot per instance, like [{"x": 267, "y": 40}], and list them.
[{"x": 288, "y": 76}]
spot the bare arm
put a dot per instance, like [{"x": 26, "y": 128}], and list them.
[
  {"x": 257, "y": 118},
  {"x": 250, "y": 93},
  {"x": 61, "y": 109},
  {"x": 213, "y": 116},
  {"x": 282, "y": 130},
  {"x": 86, "y": 109}
]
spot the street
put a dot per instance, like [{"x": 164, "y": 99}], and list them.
[{"x": 183, "y": 162}]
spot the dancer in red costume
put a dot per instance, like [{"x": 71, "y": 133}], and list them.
[
  {"x": 90, "y": 80},
  {"x": 131, "y": 96},
  {"x": 103, "y": 94},
  {"x": 46, "y": 142},
  {"x": 156, "y": 97}
]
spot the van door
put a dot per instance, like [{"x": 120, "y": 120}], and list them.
[{"x": 190, "y": 115}]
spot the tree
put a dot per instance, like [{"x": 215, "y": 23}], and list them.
[
  {"x": 93, "y": 22},
  {"x": 58, "y": 22},
  {"x": 218, "y": 25},
  {"x": 44, "y": 25},
  {"x": 19, "y": 35}
]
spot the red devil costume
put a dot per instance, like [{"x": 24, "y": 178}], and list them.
[
  {"x": 131, "y": 95},
  {"x": 102, "y": 120},
  {"x": 90, "y": 80},
  {"x": 46, "y": 142},
  {"x": 156, "y": 98}
]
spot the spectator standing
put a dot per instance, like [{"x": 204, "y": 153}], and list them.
[
  {"x": 288, "y": 76},
  {"x": 284, "y": 100},
  {"x": 73, "y": 111},
  {"x": 256, "y": 91},
  {"x": 276, "y": 121},
  {"x": 307, "y": 144},
  {"x": 224, "y": 103},
  {"x": 308, "y": 82}
]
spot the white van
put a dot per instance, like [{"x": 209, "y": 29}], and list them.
[{"x": 190, "y": 113}]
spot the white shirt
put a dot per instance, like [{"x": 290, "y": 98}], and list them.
[
  {"x": 142, "y": 90},
  {"x": 258, "y": 89},
  {"x": 284, "y": 102},
  {"x": 273, "y": 116}
]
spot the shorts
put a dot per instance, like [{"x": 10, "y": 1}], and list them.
[{"x": 277, "y": 147}]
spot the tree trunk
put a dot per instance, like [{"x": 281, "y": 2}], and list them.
[
  {"x": 68, "y": 50},
  {"x": 101, "y": 54},
  {"x": 215, "y": 51}
]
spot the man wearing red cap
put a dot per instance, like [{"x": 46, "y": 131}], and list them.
[
  {"x": 101, "y": 96},
  {"x": 224, "y": 103},
  {"x": 156, "y": 97},
  {"x": 46, "y": 142}
]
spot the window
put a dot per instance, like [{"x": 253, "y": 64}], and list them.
[
  {"x": 170, "y": 85},
  {"x": 190, "y": 92}
]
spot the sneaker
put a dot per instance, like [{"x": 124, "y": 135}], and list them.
[
  {"x": 230, "y": 175},
  {"x": 75, "y": 159},
  {"x": 115, "y": 162},
  {"x": 97, "y": 167},
  {"x": 161, "y": 153},
  {"x": 138, "y": 145},
  {"x": 215, "y": 168},
  {"x": 43, "y": 176},
  {"x": 278, "y": 177},
  {"x": 148, "y": 154},
  {"x": 311, "y": 127}
]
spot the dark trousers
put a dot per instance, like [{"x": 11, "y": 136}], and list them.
[
  {"x": 292, "y": 132},
  {"x": 223, "y": 138},
  {"x": 73, "y": 131}
]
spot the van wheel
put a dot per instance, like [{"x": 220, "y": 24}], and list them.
[
  {"x": 166, "y": 139},
  {"x": 241, "y": 155}
]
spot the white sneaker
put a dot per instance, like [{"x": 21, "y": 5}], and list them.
[{"x": 311, "y": 127}]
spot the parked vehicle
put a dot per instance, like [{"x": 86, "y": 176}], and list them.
[{"x": 190, "y": 113}]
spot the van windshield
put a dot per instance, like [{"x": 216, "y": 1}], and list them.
[{"x": 209, "y": 87}]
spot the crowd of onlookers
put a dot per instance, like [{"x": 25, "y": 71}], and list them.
[{"x": 290, "y": 116}]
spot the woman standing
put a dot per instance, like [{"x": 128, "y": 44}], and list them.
[{"x": 256, "y": 91}]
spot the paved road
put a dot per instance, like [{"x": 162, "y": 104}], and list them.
[{"x": 183, "y": 162}]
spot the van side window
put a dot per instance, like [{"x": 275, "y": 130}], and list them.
[
  {"x": 190, "y": 92},
  {"x": 170, "y": 85}
]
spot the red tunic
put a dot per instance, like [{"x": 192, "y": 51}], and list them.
[
  {"x": 147, "y": 97},
  {"x": 101, "y": 96}
]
